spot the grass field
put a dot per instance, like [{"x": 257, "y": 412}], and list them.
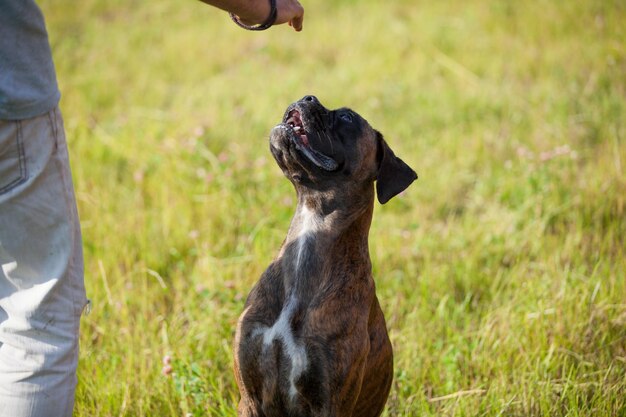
[{"x": 501, "y": 271}]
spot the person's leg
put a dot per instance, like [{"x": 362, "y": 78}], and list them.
[{"x": 42, "y": 290}]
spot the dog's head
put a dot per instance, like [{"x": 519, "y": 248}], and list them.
[{"x": 321, "y": 149}]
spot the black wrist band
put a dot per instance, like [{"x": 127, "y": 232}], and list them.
[{"x": 265, "y": 25}]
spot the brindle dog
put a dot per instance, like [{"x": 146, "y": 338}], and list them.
[{"x": 312, "y": 339}]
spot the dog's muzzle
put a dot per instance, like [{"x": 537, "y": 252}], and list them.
[{"x": 298, "y": 130}]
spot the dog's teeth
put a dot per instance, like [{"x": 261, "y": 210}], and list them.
[{"x": 296, "y": 128}]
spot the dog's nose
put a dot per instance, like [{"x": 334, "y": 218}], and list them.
[{"x": 311, "y": 99}]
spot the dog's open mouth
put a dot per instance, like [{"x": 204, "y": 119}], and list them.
[
  {"x": 295, "y": 121},
  {"x": 301, "y": 141}
]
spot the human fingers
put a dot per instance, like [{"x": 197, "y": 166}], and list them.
[
  {"x": 290, "y": 11},
  {"x": 296, "y": 23}
]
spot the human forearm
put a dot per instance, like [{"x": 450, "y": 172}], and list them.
[
  {"x": 249, "y": 11},
  {"x": 257, "y": 11}
]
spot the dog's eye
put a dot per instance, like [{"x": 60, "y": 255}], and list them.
[{"x": 346, "y": 117}]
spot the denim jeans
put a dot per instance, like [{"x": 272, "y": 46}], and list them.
[{"x": 42, "y": 291}]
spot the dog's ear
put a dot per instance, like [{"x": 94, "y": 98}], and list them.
[{"x": 394, "y": 175}]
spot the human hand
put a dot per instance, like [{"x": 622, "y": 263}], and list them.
[{"x": 290, "y": 11}]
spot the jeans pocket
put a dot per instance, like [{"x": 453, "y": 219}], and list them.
[{"x": 12, "y": 158}]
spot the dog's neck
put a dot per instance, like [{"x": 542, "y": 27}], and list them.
[{"x": 325, "y": 233}]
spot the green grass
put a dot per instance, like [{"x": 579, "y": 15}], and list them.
[{"x": 501, "y": 271}]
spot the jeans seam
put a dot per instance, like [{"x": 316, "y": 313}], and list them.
[
  {"x": 55, "y": 115},
  {"x": 53, "y": 125}
]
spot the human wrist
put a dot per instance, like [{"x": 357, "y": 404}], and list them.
[{"x": 259, "y": 17}]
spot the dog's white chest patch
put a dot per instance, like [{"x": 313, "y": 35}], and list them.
[
  {"x": 311, "y": 223},
  {"x": 295, "y": 352}
]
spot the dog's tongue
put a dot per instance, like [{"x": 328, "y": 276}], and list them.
[{"x": 305, "y": 139}]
